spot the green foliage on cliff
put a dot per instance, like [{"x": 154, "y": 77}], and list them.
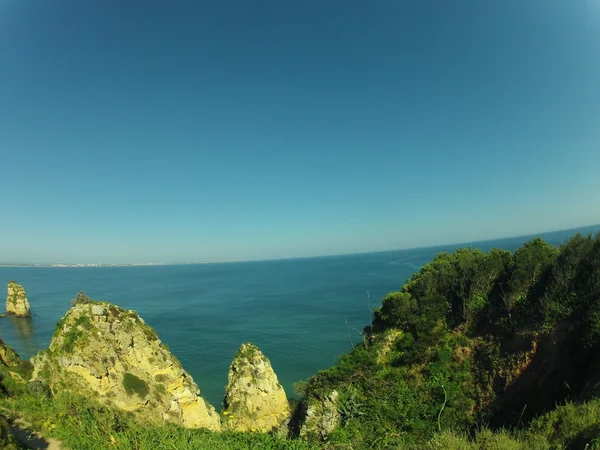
[
  {"x": 569, "y": 426},
  {"x": 481, "y": 338},
  {"x": 475, "y": 351},
  {"x": 80, "y": 298},
  {"x": 134, "y": 385},
  {"x": 82, "y": 424}
]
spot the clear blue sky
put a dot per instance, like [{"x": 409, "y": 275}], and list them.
[{"x": 229, "y": 130}]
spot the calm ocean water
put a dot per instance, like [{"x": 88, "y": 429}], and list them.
[{"x": 301, "y": 313}]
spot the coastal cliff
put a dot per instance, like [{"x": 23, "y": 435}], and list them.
[
  {"x": 510, "y": 340},
  {"x": 254, "y": 399},
  {"x": 115, "y": 356},
  {"x": 16, "y": 300}
]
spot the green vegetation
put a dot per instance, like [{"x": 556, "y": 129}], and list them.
[
  {"x": 133, "y": 384},
  {"x": 476, "y": 351},
  {"x": 77, "y": 333},
  {"x": 569, "y": 426},
  {"x": 82, "y": 424},
  {"x": 81, "y": 299},
  {"x": 161, "y": 378},
  {"x": 247, "y": 352},
  {"x": 476, "y": 339},
  {"x": 149, "y": 332},
  {"x": 7, "y": 442}
]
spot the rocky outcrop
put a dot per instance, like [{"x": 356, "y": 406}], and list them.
[
  {"x": 254, "y": 399},
  {"x": 8, "y": 356},
  {"x": 384, "y": 342},
  {"x": 321, "y": 416},
  {"x": 112, "y": 354},
  {"x": 16, "y": 301}
]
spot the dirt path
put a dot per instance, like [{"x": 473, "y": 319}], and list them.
[{"x": 31, "y": 439}]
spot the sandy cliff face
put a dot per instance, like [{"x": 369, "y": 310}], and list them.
[
  {"x": 111, "y": 353},
  {"x": 16, "y": 301},
  {"x": 254, "y": 399}
]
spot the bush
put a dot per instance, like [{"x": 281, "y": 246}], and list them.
[
  {"x": 397, "y": 310},
  {"x": 80, "y": 299},
  {"x": 39, "y": 388},
  {"x": 133, "y": 384},
  {"x": 473, "y": 324}
]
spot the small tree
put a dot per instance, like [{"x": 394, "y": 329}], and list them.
[
  {"x": 397, "y": 310},
  {"x": 80, "y": 298}
]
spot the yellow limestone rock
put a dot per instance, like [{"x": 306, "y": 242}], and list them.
[
  {"x": 16, "y": 301},
  {"x": 111, "y": 353},
  {"x": 254, "y": 399}
]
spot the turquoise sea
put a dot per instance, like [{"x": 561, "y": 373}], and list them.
[{"x": 302, "y": 313}]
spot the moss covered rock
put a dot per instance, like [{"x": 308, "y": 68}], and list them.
[
  {"x": 254, "y": 399},
  {"x": 14, "y": 372},
  {"x": 321, "y": 416},
  {"x": 16, "y": 301},
  {"x": 115, "y": 356},
  {"x": 8, "y": 356}
]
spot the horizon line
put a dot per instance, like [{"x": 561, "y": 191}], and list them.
[{"x": 150, "y": 264}]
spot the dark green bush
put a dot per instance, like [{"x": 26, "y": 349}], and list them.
[
  {"x": 471, "y": 323},
  {"x": 397, "y": 311},
  {"x": 134, "y": 385},
  {"x": 39, "y": 388},
  {"x": 80, "y": 299}
]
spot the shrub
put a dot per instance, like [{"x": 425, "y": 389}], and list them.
[
  {"x": 134, "y": 385},
  {"x": 397, "y": 310},
  {"x": 80, "y": 299},
  {"x": 39, "y": 388}
]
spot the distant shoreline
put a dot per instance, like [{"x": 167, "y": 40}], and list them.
[
  {"x": 85, "y": 265},
  {"x": 583, "y": 229}
]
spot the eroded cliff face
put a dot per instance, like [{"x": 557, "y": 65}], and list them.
[
  {"x": 16, "y": 301},
  {"x": 113, "y": 354},
  {"x": 254, "y": 398}
]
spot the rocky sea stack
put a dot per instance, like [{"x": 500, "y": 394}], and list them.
[
  {"x": 254, "y": 399},
  {"x": 114, "y": 355},
  {"x": 16, "y": 300}
]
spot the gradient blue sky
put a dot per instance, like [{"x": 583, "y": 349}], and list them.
[{"x": 232, "y": 130}]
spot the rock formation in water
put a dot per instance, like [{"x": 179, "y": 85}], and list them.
[
  {"x": 114, "y": 355},
  {"x": 16, "y": 301},
  {"x": 321, "y": 416},
  {"x": 254, "y": 399}
]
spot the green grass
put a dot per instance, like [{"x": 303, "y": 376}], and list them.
[
  {"x": 84, "y": 425},
  {"x": 568, "y": 427}
]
